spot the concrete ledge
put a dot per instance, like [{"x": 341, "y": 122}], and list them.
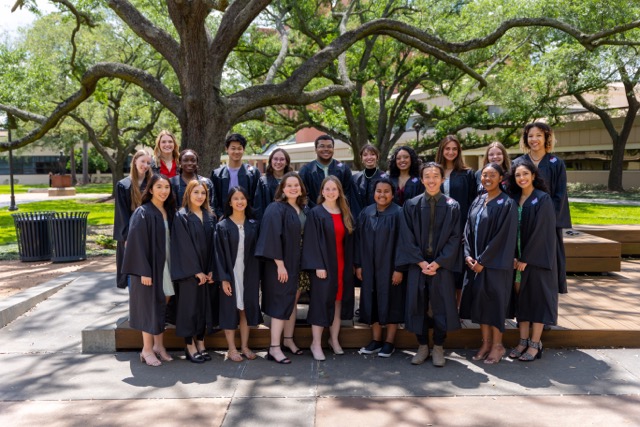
[
  {"x": 62, "y": 191},
  {"x": 16, "y": 305},
  {"x": 100, "y": 337}
]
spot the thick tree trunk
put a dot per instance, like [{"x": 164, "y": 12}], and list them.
[{"x": 617, "y": 163}]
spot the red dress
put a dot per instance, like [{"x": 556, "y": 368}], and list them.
[
  {"x": 339, "y": 229},
  {"x": 169, "y": 173}
]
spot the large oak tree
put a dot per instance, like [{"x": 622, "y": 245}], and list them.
[{"x": 198, "y": 49}]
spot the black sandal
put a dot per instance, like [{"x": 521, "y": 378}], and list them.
[
  {"x": 284, "y": 361},
  {"x": 288, "y": 350}
]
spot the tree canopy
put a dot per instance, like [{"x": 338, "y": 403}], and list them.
[{"x": 301, "y": 53}]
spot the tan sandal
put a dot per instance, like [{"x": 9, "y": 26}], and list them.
[
  {"x": 248, "y": 353},
  {"x": 234, "y": 356}
]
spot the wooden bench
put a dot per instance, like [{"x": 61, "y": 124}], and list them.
[
  {"x": 627, "y": 235},
  {"x": 587, "y": 253}
]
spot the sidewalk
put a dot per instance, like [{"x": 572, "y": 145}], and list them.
[
  {"x": 47, "y": 380},
  {"x": 21, "y": 198}
]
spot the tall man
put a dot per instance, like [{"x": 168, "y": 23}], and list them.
[
  {"x": 235, "y": 173},
  {"x": 314, "y": 172}
]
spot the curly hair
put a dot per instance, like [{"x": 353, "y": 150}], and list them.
[
  {"x": 414, "y": 169},
  {"x": 549, "y": 137}
]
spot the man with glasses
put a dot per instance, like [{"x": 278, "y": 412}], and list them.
[{"x": 314, "y": 172}]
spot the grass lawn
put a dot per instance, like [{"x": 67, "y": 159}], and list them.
[
  {"x": 99, "y": 214},
  {"x": 81, "y": 189},
  {"x": 592, "y": 213}
]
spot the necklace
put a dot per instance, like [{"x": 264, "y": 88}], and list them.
[
  {"x": 534, "y": 159},
  {"x": 372, "y": 175}
]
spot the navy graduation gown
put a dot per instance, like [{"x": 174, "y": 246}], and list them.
[
  {"x": 265, "y": 193},
  {"x": 312, "y": 177},
  {"x": 486, "y": 295},
  {"x": 554, "y": 173},
  {"x": 319, "y": 253},
  {"x": 412, "y": 249},
  {"x": 248, "y": 177},
  {"x": 192, "y": 252},
  {"x": 279, "y": 238},
  {"x": 178, "y": 187},
  {"x": 145, "y": 255},
  {"x": 412, "y": 188},
  {"x": 121, "y": 224},
  {"x": 537, "y": 300},
  {"x": 363, "y": 189},
  {"x": 226, "y": 249},
  {"x": 376, "y": 240}
]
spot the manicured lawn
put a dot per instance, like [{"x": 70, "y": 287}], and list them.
[
  {"x": 592, "y": 213},
  {"x": 99, "y": 214},
  {"x": 84, "y": 189}
]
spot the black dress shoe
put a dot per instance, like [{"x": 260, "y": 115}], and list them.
[
  {"x": 193, "y": 358},
  {"x": 205, "y": 355}
]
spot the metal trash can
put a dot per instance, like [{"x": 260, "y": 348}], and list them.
[
  {"x": 68, "y": 236},
  {"x": 32, "y": 231}
]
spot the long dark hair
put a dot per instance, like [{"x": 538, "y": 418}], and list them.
[
  {"x": 414, "y": 169},
  {"x": 170, "y": 203},
  {"x": 248, "y": 212},
  {"x": 301, "y": 201},
  {"x": 514, "y": 189}
]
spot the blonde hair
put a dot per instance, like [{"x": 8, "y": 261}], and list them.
[
  {"x": 187, "y": 195},
  {"x": 156, "y": 149},
  {"x": 506, "y": 161},
  {"x": 342, "y": 203},
  {"x": 136, "y": 195}
]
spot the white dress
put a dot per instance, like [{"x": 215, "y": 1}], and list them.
[
  {"x": 167, "y": 284},
  {"x": 238, "y": 270}
]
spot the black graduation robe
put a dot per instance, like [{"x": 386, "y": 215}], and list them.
[
  {"x": 462, "y": 189},
  {"x": 226, "y": 249},
  {"x": 364, "y": 188},
  {"x": 145, "y": 255},
  {"x": 376, "y": 241},
  {"x": 412, "y": 188},
  {"x": 319, "y": 253},
  {"x": 554, "y": 173},
  {"x": 412, "y": 249},
  {"x": 265, "y": 192},
  {"x": 312, "y": 177},
  {"x": 538, "y": 297},
  {"x": 248, "y": 177},
  {"x": 179, "y": 186},
  {"x": 192, "y": 252},
  {"x": 280, "y": 233},
  {"x": 486, "y": 295},
  {"x": 121, "y": 224}
]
